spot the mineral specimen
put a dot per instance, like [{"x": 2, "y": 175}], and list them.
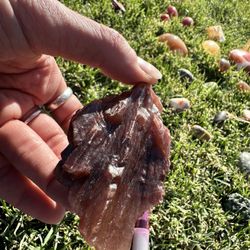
[{"x": 115, "y": 165}]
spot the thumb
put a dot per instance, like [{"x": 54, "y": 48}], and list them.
[{"x": 51, "y": 28}]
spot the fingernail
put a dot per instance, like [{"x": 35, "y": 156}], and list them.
[{"x": 149, "y": 69}]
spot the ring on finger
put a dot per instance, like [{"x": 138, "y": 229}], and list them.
[
  {"x": 31, "y": 115},
  {"x": 60, "y": 100}
]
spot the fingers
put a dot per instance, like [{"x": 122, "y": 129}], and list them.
[
  {"x": 26, "y": 196},
  {"x": 50, "y": 132},
  {"x": 51, "y": 28},
  {"x": 32, "y": 157},
  {"x": 39, "y": 86}
]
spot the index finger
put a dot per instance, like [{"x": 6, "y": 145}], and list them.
[{"x": 51, "y": 28}]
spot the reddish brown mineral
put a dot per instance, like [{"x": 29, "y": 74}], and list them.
[{"x": 115, "y": 165}]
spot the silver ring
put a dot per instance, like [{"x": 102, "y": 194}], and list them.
[
  {"x": 31, "y": 115},
  {"x": 61, "y": 99}
]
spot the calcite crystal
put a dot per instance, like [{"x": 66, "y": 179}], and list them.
[{"x": 115, "y": 165}]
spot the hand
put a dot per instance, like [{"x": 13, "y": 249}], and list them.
[{"x": 31, "y": 33}]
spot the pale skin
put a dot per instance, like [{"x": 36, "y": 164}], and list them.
[{"x": 31, "y": 33}]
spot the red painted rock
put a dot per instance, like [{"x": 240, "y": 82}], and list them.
[
  {"x": 115, "y": 165},
  {"x": 172, "y": 11},
  {"x": 165, "y": 17},
  {"x": 174, "y": 43},
  {"x": 187, "y": 21},
  {"x": 241, "y": 58}
]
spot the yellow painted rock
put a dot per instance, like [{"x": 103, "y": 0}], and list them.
[
  {"x": 216, "y": 33},
  {"x": 211, "y": 47},
  {"x": 247, "y": 46},
  {"x": 174, "y": 43}
]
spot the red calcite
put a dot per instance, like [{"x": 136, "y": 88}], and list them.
[{"x": 115, "y": 165}]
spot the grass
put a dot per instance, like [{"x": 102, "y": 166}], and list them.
[{"x": 191, "y": 215}]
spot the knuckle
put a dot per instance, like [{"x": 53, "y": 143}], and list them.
[{"x": 113, "y": 38}]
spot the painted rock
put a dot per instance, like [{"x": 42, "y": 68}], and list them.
[
  {"x": 246, "y": 114},
  {"x": 211, "y": 47},
  {"x": 241, "y": 58},
  {"x": 220, "y": 117},
  {"x": 216, "y": 33},
  {"x": 174, "y": 43},
  {"x": 247, "y": 46},
  {"x": 172, "y": 11},
  {"x": 224, "y": 65},
  {"x": 200, "y": 133},
  {"x": 179, "y": 104},
  {"x": 187, "y": 21},
  {"x": 238, "y": 205},
  {"x": 165, "y": 17},
  {"x": 118, "y": 6},
  {"x": 210, "y": 85},
  {"x": 243, "y": 86},
  {"x": 244, "y": 162},
  {"x": 186, "y": 75}
]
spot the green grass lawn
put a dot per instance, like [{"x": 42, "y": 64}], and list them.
[{"x": 202, "y": 173}]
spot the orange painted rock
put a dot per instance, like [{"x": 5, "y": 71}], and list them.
[
  {"x": 174, "y": 43},
  {"x": 211, "y": 47},
  {"x": 241, "y": 58},
  {"x": 243, "y": 86},
  {"x": 216, "y": 33}
]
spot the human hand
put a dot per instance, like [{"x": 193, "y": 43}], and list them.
[{"x": 31, "y": 33}]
